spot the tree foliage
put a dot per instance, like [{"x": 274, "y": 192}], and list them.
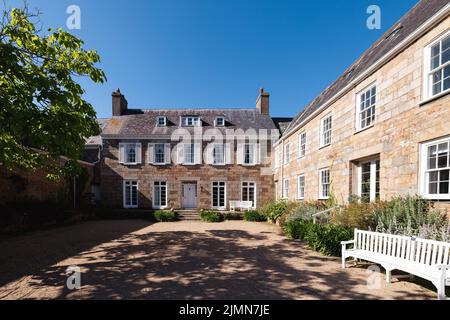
[{"x": 41, "y": 104}]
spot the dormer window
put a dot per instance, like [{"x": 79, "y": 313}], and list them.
[
  {"x": 220, "y": 122},
  {"x": 161, "y": 121},
  {"x": 190, "y": 121}
]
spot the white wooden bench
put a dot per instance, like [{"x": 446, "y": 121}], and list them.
[
  {"x": 241, "y": 205},
  {"x": 427, "y": 259}
]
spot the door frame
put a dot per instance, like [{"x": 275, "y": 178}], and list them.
[{"x": 193, "y": 183}]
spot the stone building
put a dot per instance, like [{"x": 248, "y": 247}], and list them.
[
  {"x": 383, "y": 127},
  {"x": 187, "y": 159}
]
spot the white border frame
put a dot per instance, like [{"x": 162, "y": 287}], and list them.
[
  {"x": 321, "y": 132},
  {"x": 298, "y": 186},
  {"x": 225, "y": 195},
  {"x": 321, "y": 197},
  {"x": 256, "y": 191},
  {"x": 123, "y": 193},
  {"x": 153, "y": 195},
  {"x": 357, "y": 107},
  {"x": 422, "y": 187},
  {"x": 426, "y": 84}
]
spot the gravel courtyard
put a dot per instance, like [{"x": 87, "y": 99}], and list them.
[{"x": 135, "y": 259}]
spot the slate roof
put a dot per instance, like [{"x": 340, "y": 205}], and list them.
[
  {"x": 142, "y": 123},
  {"x": 97, "y": 140},
  {"x": 410, "y": 22},
  {"x": 282, "y": 123}
]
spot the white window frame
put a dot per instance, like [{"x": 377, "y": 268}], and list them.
[
  {"x": 158, "y": 118},
  {"x": 372, "y": 106},
  {"x": 277, "y": 159},
  {"x": 192, "y": 153},
  {"x": 190, "y": 121},
  {"x": 224, "y": 207},
  {"x": 216, "y": 122},
  {"x": 287, "y": 152},
  {"x": 321, "y": 185},
  {"x": 160, "y": 206},
  {"x": 301, "y": 187},
  {"x": 428, "y": 73},
  {"x": 123, "y": 157},
  {"x": 214, "y": 162},
  {"x": 373, "y": 178},
  {"x": 251, "y": 152},
  {"x": 124, "y": 195},
  {"x": 163, "y": 155},
  {"x": 285, "y": 191},
  {"x": 324, "y": 132},
  {"x": 302, "y": 145},
  {"x": 423, "y": 181},
  {"x": 254, "y": 192}
]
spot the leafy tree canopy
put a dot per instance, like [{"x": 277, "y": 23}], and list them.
[{"x": 41, "y": 104}]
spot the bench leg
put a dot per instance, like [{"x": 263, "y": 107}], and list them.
[
  {"x": 388, "y": 275},
  {"x": 343, "y": 261},
  {"x": 441, "y": 291}
]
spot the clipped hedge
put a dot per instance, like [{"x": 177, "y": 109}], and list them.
[
  {"x": 211, "y": 216},
  {"x": 254, "y": 216},
  {"x": 165, "y": 216}
]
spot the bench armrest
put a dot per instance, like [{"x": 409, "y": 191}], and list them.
[{"x": 344, "y": 243}]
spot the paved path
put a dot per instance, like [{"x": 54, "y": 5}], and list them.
[{"x": 135, "y": 259}]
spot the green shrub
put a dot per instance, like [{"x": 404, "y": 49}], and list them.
[
  {"x": 302, "y": 209},
  {"x": 297, "y": 228},
  {"x": 410, "y": 216},
  {"x": 211, "y": 216},
  {"x": 355, "y": 215},
  {"x": 274, "y": 210},
  {"x": 326, "y": 238},
  {"x": 255, "y": 216},
  {"x": 165, "y": 216}
]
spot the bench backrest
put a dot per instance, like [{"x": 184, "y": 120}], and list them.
[
  {"x": 419, "y": 250},
  {"x": 246, "y": 204}
]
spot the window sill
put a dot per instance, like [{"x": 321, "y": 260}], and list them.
[
  {"x": 324, "y": 146},
  {"x": 159, "y": 164},
  {"x": 324, "y": 198},
  {"x": 248, "y": 164},
  {"x": 436, "y": 197},
  {"x": 435, "y": 97},
  {"x": 364, "y": 129},
  {"x": 130, "y": 164},
  {"x": 130, "y": 207}
]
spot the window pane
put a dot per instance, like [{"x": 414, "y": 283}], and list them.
[
  {"x": 444, "y": 175},
  {"x": 443, "y": 187},
  {"x": 433, "y": 176},
  {"x": 432, "y": 188}
]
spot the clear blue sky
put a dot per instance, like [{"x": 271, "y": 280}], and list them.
[{"x": 217, "y": 53}]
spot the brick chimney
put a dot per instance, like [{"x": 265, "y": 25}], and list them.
[
  {"x": 119, "y": 103},
  {"x": 262, "y": 103}
]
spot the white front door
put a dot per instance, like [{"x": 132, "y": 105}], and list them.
[{"x": 189, "y": 196}]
